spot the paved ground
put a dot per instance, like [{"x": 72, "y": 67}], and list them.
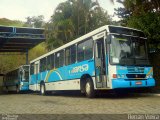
[{"x": 75, "y": 103}]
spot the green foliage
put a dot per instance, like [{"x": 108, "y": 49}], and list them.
[
  {"x": 7, "y": 22},
  {"x": 37, "y": 51},
  {"x": 73, "y": 19},
  {"x": 9, "y": 61},
  {"x": 35, "y": 21},
  {"x": 149, "y": 23},
  {"x": 143, "y": 15}
]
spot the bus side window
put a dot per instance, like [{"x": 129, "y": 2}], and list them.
[
  {"x": 73, "y": 54},
  {"x": 70, "y": 55},
  {"x": 67, "y": 56},
  {"x": 32, "y": 69},
  {"x": 59, "y": 59},
  {"x": 50, "y": 62},
  {"x": 42, "y": 64},
  {"x": 85, "y": 50},
  {"x": 89, "y": 49}
]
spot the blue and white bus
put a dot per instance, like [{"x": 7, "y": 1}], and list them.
[
  {"x": 109, "y": 57},
  {"x": 17, "y": 80}
]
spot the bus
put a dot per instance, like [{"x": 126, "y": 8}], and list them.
[
  {"x": 17, "y": 80},
  {"x": 110, "y": 57}
]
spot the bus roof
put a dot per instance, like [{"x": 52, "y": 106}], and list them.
[
  {"x": 94, "y": 32},
  {"x": 16, "y": 68}
]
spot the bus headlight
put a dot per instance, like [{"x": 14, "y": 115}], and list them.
[
  {"x": 149, "y": 76},
  {"x": 122, "y": 76},
  {"x": 21, "y": 83},
  {"x": 118, "y": 76}
]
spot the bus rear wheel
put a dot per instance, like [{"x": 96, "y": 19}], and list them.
[
  {"x": 42, "y": 89},
  {"x": 6, "y": 89},
  {"x": 89, "y": 89}
]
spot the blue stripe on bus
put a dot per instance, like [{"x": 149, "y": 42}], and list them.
[{"x": 69, "y": 72}]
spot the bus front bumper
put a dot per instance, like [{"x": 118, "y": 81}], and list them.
[
  {"x": 122, "y": 83},
  {"x": 24, "y": 88}
]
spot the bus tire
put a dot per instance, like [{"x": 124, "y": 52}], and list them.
[
  {"x": 6, "y": 89},
  {"x": 89, "y": 88},
  {"x": 17, "y": 89},
  {"x": 42, "y": 89}
]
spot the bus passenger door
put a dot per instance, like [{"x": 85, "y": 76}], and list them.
[
  {"x": 36, "y": 71},
  {"x": 100, "y": 58}
]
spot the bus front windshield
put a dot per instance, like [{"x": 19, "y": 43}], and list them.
[
  {"x": 128, "y": 50},
  {"x": 25, "y": 74}
]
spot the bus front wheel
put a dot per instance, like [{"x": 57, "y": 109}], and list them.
[
  {"x": 89, "y": 88},
  {"x": 17, "y": 89},
  {"x": 42, "y": 89}
]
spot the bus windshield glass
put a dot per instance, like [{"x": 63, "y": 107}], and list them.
[
  {"x": 25, "y": 73},
  {"x": 128, "y": 50}
]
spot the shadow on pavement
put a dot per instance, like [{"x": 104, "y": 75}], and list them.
[{"x": 99, "y": 94}]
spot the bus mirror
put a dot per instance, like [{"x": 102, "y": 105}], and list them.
[{"x": 108, "y": 39}]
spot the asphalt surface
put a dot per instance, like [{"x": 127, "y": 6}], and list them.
[{"x": 73, "y": 103}]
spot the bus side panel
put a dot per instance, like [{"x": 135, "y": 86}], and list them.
[
  {"x": 68, "y": 77},
  {"x": 32, "y": 82},
  {"x": 11, "y": 84},
  {"x": 71, "y": 72}
]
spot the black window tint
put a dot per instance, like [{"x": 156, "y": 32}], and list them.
[
  {"x": 73, "y": 54},
  {"x": 50, "y": 62},
  {"x": 59, "y": 61},
  {"x": 70, "y": 55},
  {"x": 85, "y": 50},
  {"x": 80, "y": 53},
  {"x": 42, "y": 64},
  {"x": 99, "y": 49},
  {"x": 32, "y": 69},
  {"x": 88, "y": 49},
  {"x": 67, "y": 56}
]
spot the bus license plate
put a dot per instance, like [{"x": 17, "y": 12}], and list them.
[{"x": 138, "y": 83}]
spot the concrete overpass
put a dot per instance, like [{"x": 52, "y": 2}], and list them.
[{"x": 19, "y": 39}]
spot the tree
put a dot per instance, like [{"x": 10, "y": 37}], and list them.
[
  {"x": 35, "y": 21},
  {"x": 72, "y": 19},
  {"x": 143, "y": 15}
]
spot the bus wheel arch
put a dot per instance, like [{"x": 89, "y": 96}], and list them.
[{"x": 86, "y": 80}]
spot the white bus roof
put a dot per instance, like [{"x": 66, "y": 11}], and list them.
[
  {"x": 16, "y": 68},
  {"x": 96, "y": 31}
]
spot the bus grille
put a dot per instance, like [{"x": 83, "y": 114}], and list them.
[
  {"x": 135, "y": 69},
  {"x": 136, "y": 75}
]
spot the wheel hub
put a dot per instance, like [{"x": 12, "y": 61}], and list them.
[
  {"x": 42, "y": 89},
  {"x": 88, "y": 87}
]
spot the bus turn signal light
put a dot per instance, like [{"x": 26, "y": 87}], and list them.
[{"x": 114, "y": 75}]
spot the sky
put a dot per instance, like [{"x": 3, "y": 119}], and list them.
[{"x": 20, "y": 9}]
